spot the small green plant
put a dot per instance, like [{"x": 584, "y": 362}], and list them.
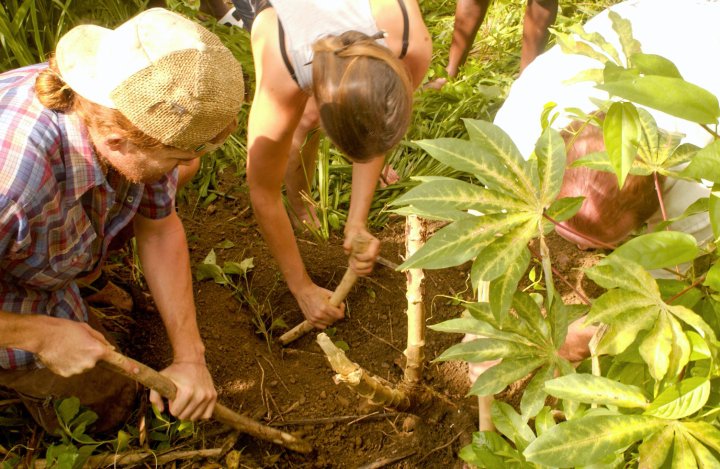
[{"x": 75, "y": 446}]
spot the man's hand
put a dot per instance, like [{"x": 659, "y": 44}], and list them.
[
  {"x": 315, "y": 305},
  {"x": 196, "y": 395},
  {"x": 361, "y": 263},
  {"x": 68, "y": 348}
]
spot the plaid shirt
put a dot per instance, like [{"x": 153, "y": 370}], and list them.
[{"x": 58, "y": 211}]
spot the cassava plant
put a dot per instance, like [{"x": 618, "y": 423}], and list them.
[{"x": 652, "y": 399}]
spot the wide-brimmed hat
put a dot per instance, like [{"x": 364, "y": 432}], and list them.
[{"x": 172, "y": 78}]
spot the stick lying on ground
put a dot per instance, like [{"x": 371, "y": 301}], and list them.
[
  {"x": 154, "y": 380},
  {"x": 359, "y": 245}
]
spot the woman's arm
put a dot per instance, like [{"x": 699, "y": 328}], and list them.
[
  {"x": 364, "y": 180},
  {"x": 275, "y": 113}
]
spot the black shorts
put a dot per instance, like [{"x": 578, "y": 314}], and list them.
[{"x": 247, "y": 10}]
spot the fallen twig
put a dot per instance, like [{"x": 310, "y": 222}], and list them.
[
  {"x": 340, "y": 419},
  {"x": 387, "y": 461},
  {"x": 163, "y": 385},
  {"x": 440, "y": 447}
]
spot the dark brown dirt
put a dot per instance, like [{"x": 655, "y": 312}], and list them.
[{"x": 292, "y": 387}]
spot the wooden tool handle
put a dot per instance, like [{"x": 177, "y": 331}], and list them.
[
  {"x": 359, "y": 244},
  {"x": 166, "y": 388}
]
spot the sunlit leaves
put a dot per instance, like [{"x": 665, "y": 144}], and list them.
[
  {"x": 658, "y": 250},
  {"x": 596, "y": 390},
  {"x": 681, "y": 400}
]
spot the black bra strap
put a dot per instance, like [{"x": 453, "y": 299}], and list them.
[
  {"x": 283, "y": 51},
  {"x": 406, "y": 28}
]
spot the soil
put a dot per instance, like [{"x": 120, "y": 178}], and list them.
[{"x": 291, "y": 387}]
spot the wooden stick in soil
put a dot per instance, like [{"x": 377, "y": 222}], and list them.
[
  {"x": 359, "y": 245},
  {"x": 415, "y": 350},
  {"x": 163, "y": 385},
  {"x": 360, "y": 380}
]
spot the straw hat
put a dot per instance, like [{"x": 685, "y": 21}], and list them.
[{"x": 172, "y": 78}]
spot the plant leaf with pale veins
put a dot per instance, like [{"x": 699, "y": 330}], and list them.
[
  {"x": 681, "y": 399},
  {"x": 499, "y": 144},
  {"x": 706, "y": 433},
  {"x": 682, "y": 454},
  {"x": 615, "y": 272},
  {"x": 482, "y": 349},
  {"x": 654, "y": 450},
  {"x": 498, "y": 256},
  {"x": 596, "y": 390},
  {"x": 623, "y": 332},
  {"x": 479, "y": 328},
  {"x": 623, "y": 29},
  {"x": 462, "y": 240},
  {"x": 564, "y": 208},
  {"x": 658, "y": 250},
  {"x": 705, "y": 164},
  {"x": 498, "y": 377},
  {"x": 453, "y": 194},
  {"x": 503, "y": 288},
  {"x": 550, "y": 152},
  {"x": 533, "y": 398},
  {"x": 587, "y": 440},
  {"x": 468, "y": 156},
  {"x": 703, "y": 456}
]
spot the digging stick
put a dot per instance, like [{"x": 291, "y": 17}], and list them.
[
  {"x": 154, "y": 380},
  {"x": 359, "y": 245}
]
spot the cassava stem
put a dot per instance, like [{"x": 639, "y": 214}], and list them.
[
  {"x": 359, "y": 244},
  {"x": 363, "y": 383},
  {"x": 166, "y": 388},
  {"x": 415, "y": 351}
]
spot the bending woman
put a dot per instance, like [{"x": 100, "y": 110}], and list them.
[{"x": 350, "y": 66}]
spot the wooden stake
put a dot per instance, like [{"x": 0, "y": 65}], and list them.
[
  {"x": 150, "y": 378},
  {"x": 415, "y": 351},
  {"x": 360, "y": 244},
  {"x": 360, "y": 380}
]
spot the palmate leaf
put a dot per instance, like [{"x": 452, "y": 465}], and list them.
[
  {"x": 624, "y": 330},
  {"x": 703, "y": 456},
  {"x": 564, "y": 208},
  {"x": 497, "y": 257},
  {"x": 490, "y": 450},
  {"x": 707, "y": 434},
  {"x": 533, "y": 398},
  {"x": 497, "y": 143},
  {"x": 468, "y": 156},
  {"x": 670, "y": 95},
  {"x": 469, "y": 325},
  {"x": 681, "y": 399},
  {"x": 681, "y": 154},
  {"x": 452, "y": 194},
  {"x": 653, "y": 64},
  {"x": 620, "y": 132},
  {"x": 550, "y": 152},
  {"x": 529, "y": 312},
  {"x": 682, "y": 454},
  {"x": 589, "y": 439},
  {"x": 658, "y": 250},
  {"x": 570, "y": 45},
  {"x": 497, "y": 378},
  {"x": 649, "y": 138},
  {"x": 680, "y": 348},
  {"x": 591, "y": 389},
  {"x": 430, "y": 213},
  {"x": 616, "y": 272},
  {"x": 462, "y": 240},
  {"x": 598, "y": 40}
]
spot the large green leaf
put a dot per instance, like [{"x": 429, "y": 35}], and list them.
[
  {"x": 503, "y": 288},
  {"x": 462, "y": 240},
  {"x": 681, "y": 399},
  {"x": 589, "y": 439},
  {"x": 658, "y": 250},
  {"x": 497, "y": 378},
  {"x": 694, "y": 320},
  {"x": 652, "y": 64},
  {"x": 468, "y": 156},
  {"x": 596, "y": 390},
  {"x": 496, "y": 142},
  {"x": 656, "y": 348},
  {"x": 550, "y": 152},
  {"x": 654, "y": 450},
  {"x": 703, "y": 456},
  {"x": 623, "y": 331},
  {"x": 452, "y": 194},
  {"x": 490, "y": 450},
  {"x": 705, "y": 164},
  {"x": 616, "y": 272},
  {"x": 621, "y": 130},
  {"x": 623, "y": 29},
  {"x": 482, "y": 349},
  {"x": 614, "y": 304},
  {"x": 682, "y": 454},
  {"x": 670, "y": 95}
]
